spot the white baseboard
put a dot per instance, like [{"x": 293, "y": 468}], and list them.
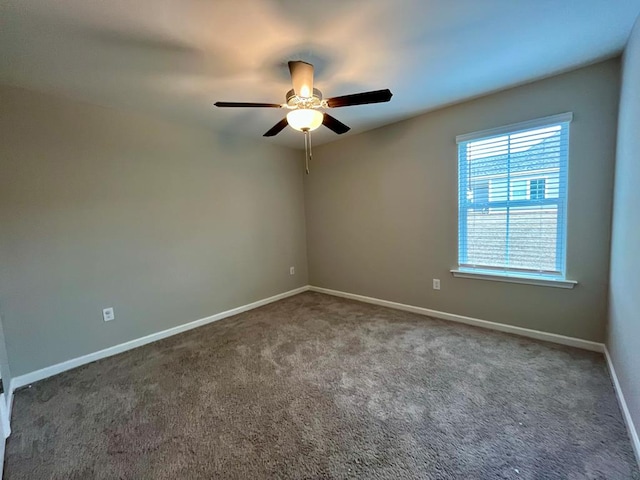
[
  {"x": 5, "y": 416},
  {"x": 524, "y": 332},
  {"x": 3, "y": 444},
  {"x": 9, "y": 401},
  {"x": 5, "y": 429},
  {"x": 31, "y": 377},
  {"x": 626, "y": 414}
]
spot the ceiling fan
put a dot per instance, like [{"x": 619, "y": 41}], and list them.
[{"x": 304, "y": 103}]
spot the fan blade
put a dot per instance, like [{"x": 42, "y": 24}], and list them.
[
  {"x": 302, "y": 78},
  {"x": 277, "y": 128},
  {"x": 335, "y": 125},
  {"x": 376, "y": 96},
  {"x": 247, "y": 104}
]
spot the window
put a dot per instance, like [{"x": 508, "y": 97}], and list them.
[
  {"x": 536, "y": 189},
  {"x": 512, "y": 196}
]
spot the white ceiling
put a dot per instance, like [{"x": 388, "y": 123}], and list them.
[{"x": 176, "y": 57}]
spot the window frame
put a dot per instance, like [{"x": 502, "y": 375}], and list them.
[{"x": 503, "y": 273}]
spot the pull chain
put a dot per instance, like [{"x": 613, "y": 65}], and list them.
[
  {"x": 310, "y": 157},
  {"x": 307, "y": 149}
]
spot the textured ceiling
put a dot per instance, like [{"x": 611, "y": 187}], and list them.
[{"x": 174, "y": 58}]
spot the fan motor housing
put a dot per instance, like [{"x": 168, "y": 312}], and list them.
[{"x": 294, "y": 101}]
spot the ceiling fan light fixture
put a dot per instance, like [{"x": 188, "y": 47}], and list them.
[
  {"x": 304, "y": 102},
  {"x": 305, "y": 119}
]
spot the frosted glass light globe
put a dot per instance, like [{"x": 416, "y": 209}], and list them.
[{"x": 305, "y": 119}]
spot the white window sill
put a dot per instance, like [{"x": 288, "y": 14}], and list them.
[{"x": 513, "y": 278}]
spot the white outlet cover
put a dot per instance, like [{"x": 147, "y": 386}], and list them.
[
  {"x": 292, "y": 270},
  {"x": 436, "y": 284},
  {"x": 108, "y": 314}
]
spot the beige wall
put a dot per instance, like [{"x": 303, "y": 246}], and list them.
[
  {"x": 382, "y": 208},
  {"x": 166, "y": 223},
  {"x": 624, "y": 308},
  {"x": 169, "y": 223}
]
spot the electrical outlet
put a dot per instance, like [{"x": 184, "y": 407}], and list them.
[
  {"x": 436, "y": 284},
  {"x": 108, "y": 314},
  {"x": 292, "y": 270}
]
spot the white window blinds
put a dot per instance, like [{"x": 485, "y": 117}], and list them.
[{"x": 512, "y": 197}]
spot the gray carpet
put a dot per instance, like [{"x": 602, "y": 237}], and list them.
[{"x": 316, "y": 387}]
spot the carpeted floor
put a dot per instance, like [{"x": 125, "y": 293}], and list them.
[{"x": 316, "y": 387}]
